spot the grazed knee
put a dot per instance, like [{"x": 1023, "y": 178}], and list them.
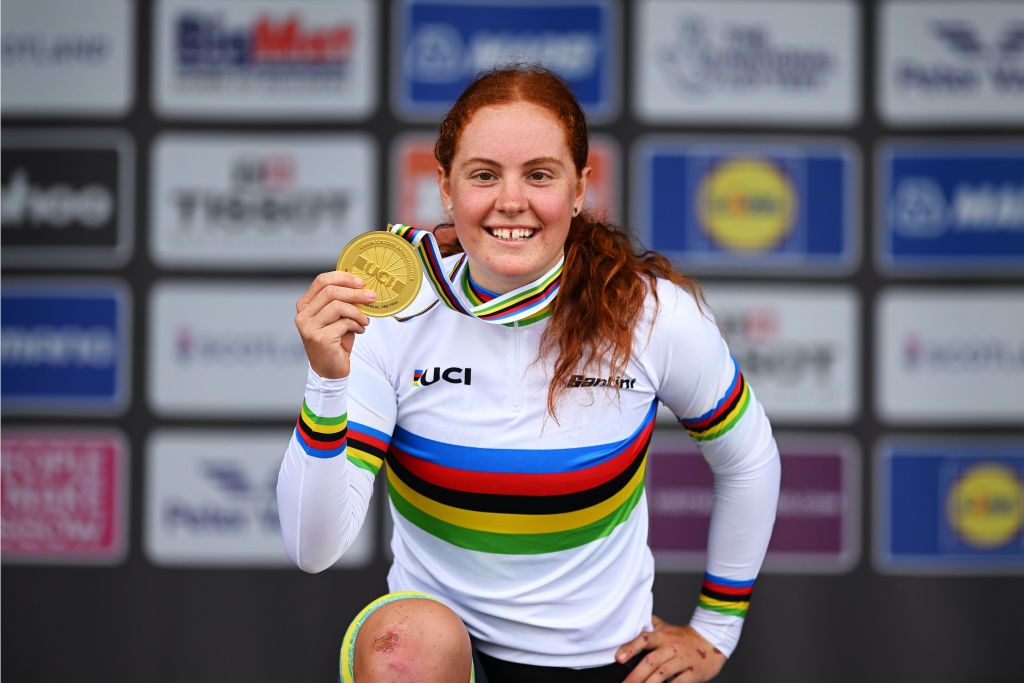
[{"x": 413, "y": 640}]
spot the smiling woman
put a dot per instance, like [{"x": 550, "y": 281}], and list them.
[{"x": 526, "y": 518}]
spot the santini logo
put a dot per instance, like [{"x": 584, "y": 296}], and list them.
[
  {"x": 450, "y": 375},
  {"x": 615, "y": 383}
]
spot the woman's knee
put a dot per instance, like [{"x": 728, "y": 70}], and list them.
[{"x": 413, "y": 639}]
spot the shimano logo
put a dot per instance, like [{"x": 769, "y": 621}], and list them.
[
  {"x": 613, "y": 382},
  {"x": 63, "y": 347},
  {"x": 920, "y": 208},
  {"x": 439, "y": 54},
  {"x": 57, "y": 205},
  {"x": 451, "y": 375}
]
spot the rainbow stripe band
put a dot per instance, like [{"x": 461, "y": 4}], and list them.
[
  {"x": 725, "y": 596},
  {"x": 347, "y": 663},
  {"x": 726, "y": 413},
  {"x": 527, "y": 304},
  {"x": 321, "y": 437},
  {"x": 517, "y": 502},
  {"x": 366, "y": 447}
]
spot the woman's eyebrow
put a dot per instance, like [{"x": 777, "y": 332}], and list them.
[{"x": 538, "y": 161}]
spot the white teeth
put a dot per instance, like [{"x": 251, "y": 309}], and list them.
[{"x": 512, "y": 233}]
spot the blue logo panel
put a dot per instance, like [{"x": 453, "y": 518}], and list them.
[
  {"x": 64, "y": 348},
  {"x": 742, "y": 207},
  {"x": 946, "y": 508},
  {"x": 441, "y": 46},
  {"x": 951, "y": 206}
]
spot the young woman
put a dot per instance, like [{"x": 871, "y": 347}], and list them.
[{"x": 515, "y": 439}]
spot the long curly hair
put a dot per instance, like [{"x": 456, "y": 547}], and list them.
[{"x": 605, "y": 279}]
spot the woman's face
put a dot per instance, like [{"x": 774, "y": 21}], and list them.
[{"x": 513, "y": 186}]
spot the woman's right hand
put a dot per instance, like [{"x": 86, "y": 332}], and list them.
[{"x": 328, "y": 321}]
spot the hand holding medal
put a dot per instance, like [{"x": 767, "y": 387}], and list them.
[{"x": 388, "y": 266}]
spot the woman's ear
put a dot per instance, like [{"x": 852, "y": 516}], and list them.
[{"x": 444, "y": 186}]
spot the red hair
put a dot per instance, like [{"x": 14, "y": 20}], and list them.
[{"x": 605, "y": 280}]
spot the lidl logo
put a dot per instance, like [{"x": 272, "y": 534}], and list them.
[
  {"x": 950, "y": 506},
  {"x": 743, "y": 207},
  {"x": 986, "y": 505},
  {"x": 747, "y": 204}
]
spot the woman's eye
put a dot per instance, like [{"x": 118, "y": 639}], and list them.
[
  {"x": 485, "y": 175},
  {"x": 538, "y": 175}
]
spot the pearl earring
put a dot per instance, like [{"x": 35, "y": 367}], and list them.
[{"x": 451, "y": 206}]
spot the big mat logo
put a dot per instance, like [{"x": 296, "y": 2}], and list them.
[
  {"x": 211, "y": 500},
  {"x": 948, "y": 505},
  {"x": 225, "y": 349},
  {"x": 67, "y": 198},
  {"x": 743, "y": 207},
  {"x": 415, "y": 196},
  {"x": 798, "y": 348},
  {"x": 954, "y": 208},
  {"x": 66, "y": 58},
  {"x": 284, "y": 201},
  {"x": 65, "y": 347},
  {"x": 441, "y": 45},
  {"x": 818, "y": 519},
  {"x": 951, "y": 62},
  {"x": 65, "y": 496},
  {"x": 781, "y": 62},
  {"x": 951, "y": 356},
  {"x": 263, "y": 59}
]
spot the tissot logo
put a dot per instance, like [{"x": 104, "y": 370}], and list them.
[
  {"x": 613, "y": 382},
  {"x": 451, "y": 375}
]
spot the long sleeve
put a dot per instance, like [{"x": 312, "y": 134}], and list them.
[
  {"x": 705, "y": 388},
  {"x": 326, "y": 478}
]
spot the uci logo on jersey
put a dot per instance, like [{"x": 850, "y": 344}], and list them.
[{"x": 450, "y": 375}]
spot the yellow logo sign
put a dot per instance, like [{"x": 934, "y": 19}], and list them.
[
  {"x": 986, "y": 505},
  {"x": 747, "y": 204}
]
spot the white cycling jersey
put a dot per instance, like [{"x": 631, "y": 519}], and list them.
[{"x": 532, "y": 527}]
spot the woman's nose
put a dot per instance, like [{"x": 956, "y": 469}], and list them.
[{"x": 511, "y": 198}]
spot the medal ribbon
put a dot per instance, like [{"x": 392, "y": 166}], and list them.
[{"x": 528, "y": 303}]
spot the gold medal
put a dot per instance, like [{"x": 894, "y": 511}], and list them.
[{"x": 388, "y": 265}]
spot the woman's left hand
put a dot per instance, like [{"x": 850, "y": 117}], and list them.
[{"x": 675, "y": 653}]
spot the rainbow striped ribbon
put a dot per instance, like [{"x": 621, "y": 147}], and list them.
[{"x": 525, "y": 302}]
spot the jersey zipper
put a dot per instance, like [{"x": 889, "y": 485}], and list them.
[{"x": 516, "y": 371}]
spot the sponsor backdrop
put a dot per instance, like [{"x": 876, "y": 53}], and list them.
[{"x": 846, "y": 178}]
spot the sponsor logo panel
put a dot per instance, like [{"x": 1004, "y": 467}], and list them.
[
  {"x": 65, "y": 497},
  {"x": 65, "y": 347},
  {"x": 946, "y": 505},
  {"x": 261, "y": 59},
  {"x": 416, "y": 199},
  {"x": 734, "y": 206},
  {"x": 219, "y": 350},
  {"x": 779, "y": 62},
  {"x": 211, "y": 500},
  {"x": 951, "y": 356},
  {"x": 817, "y": 523},
  {"x": 951, "y": 207},
  {"x": 946, "y": 62},
  {"x": 67, "y": 198},
  {"x": 63, "y": 58},
  {"x": 268, "y": 201},
  {"x": 441, "y": 46},
  {"x": 798, "y": 348}
]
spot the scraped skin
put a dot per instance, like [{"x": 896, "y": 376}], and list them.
[{"x": 413, "y": 641}]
